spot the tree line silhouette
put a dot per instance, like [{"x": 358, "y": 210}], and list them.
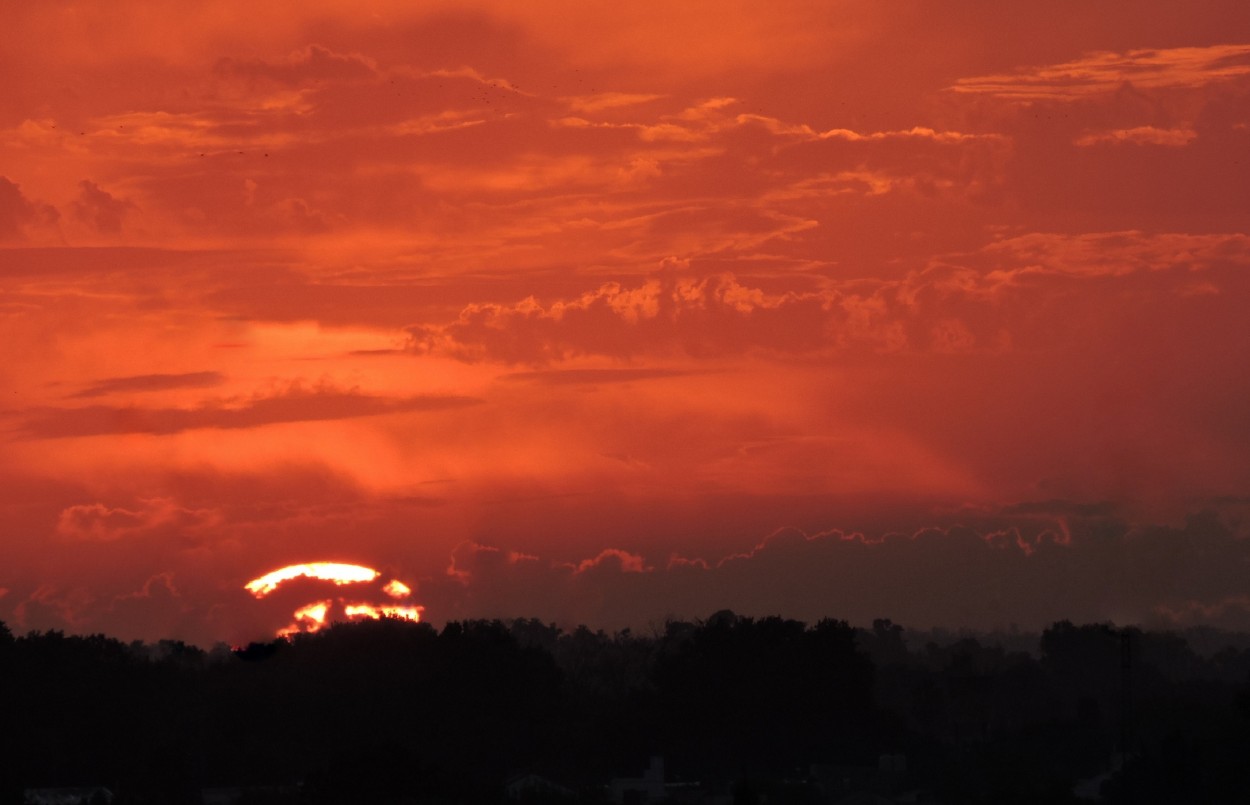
[{"x": 746, "y": 709}]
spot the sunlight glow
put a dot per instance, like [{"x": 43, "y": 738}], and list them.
[
  {"x": 310, "y": 618},
  {"x": 327, "y": 571},
  {"x": 369, "y": 611},
  {"x": 397, "y": 589},
  {"x": 317, "y": 615}
]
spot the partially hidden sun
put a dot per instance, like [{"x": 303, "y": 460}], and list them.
[
  {"x": 316, "y": 615},
  {"x": 336, "y": 572}
]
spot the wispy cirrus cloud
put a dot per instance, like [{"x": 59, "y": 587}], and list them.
[{"x": 1107, "y": 71}]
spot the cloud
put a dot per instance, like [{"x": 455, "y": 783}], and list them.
[
  {"x": 1118, "y": 253},
  {"x": 407, "y": 148},
  {"x": 570, "y": 377},
  {"x": 909, "y": 270},
  {"x": 50, "y": 607},
  {"x": 18, "y": 213},
  {"x": 472, "y": 559},
  {"x": 1105, "y": 72},
  {"x": 156, "y": 608},
  {"x": 915, "y": 132},
  {"x": 295, "y": 406},
  {"x": 1030, "y": 564},
  {"x": 612, "y": 560},
  {"x": 715, "y": 315},
  {"x": 156, "y": 382},
  {"x": 1230, "y": 612},
  {"x": 610, "y": 100},
  {"x": 75, "y": 262},
  {"x": 99, "y": 209},
  {"x": 311, "y": 64},
  {"x": 98, "y": 522},
  {"x": 1140, "y": 135},
  {"x": 714, "y": 121},
  {"x": 190, "y": 540},
  {"x": 985, "y": 302}
]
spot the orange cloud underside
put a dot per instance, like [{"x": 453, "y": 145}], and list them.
[{"x": 606, "y": 294}]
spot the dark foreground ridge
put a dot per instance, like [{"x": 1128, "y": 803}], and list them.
[{"x": 726, "y": 710}]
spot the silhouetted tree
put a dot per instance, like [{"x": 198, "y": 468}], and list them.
[{"x": 392, "y": 711}]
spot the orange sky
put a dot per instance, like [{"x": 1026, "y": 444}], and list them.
[{"x": 925, "y": 310}]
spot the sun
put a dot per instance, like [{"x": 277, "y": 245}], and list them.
[
  {"x": 316, "y": 615},
  {"x": 336, "y": 572}
]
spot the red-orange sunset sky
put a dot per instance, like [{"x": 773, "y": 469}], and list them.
[{"x": 611, "y": 312}]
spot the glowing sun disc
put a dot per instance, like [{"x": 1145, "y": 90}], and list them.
[
  {"x": 336, "y": 572},
  {"x": 315, "y": 616}
]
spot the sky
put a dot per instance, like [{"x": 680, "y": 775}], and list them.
[{"x": 614, "y": 313}]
